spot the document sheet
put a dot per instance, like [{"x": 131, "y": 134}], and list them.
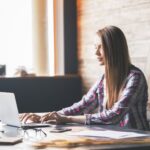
[{"x": 109, "y": 134}]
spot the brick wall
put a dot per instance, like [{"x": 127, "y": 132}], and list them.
[{"x": 132, "y": 16}]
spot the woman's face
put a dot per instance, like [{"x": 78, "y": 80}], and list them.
[{"x": 99, "y": 50}]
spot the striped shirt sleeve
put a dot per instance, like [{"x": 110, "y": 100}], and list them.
[
  {"x": 88, "y": 102},
  {"x": 122, "y": 106}
]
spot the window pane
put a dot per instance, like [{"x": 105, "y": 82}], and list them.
[{"x": 16, "y": 34}]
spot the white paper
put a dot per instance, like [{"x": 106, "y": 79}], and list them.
[{"x": 109, "y": 134}]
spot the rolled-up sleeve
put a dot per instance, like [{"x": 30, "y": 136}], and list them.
[
  {"x": 122, "y": 106},
  {"x": 88, "y": 101}
]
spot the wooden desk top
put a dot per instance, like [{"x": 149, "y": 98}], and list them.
[{"x": 104, "y": 143}]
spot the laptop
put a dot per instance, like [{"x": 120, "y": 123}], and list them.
[{"x": 9, "y": 114}]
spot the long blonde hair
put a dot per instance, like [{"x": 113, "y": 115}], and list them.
[{"x": 117, "y": 61}]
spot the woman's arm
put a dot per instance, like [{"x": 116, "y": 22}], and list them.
[
  {"x": 76, "y": 109},
  {"x": 84, "y": 104},
  {"x": 66, "y": 114},
  {"x": 55, "y": 117}
]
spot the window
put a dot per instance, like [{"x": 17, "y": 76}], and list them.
[{"x": 18, "y": 35}]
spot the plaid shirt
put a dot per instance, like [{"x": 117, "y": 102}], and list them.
[{"x": 129, "y": 111}]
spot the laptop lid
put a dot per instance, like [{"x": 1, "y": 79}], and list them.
[
  {"x": 8, "y": 109},
  {"x": 9, "y": 114}
]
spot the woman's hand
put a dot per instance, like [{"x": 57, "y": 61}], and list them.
[
  {"x": 29, "y": 117},
  {"x": 54, "y": 117}
]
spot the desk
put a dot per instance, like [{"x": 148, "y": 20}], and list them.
[{"x": 27, "y": 144}]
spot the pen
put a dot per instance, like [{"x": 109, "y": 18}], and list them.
[{"x": 12, "y": 126}]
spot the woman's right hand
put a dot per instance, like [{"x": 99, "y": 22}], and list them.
[{"x": 31, "y": 117}]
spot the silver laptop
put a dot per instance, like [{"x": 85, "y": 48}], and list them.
[{"x": 9, "y": 114}]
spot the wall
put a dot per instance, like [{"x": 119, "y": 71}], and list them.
[{"x": 132, "y": 16}]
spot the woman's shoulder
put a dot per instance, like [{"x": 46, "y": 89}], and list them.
[
  {"x": 134, "y": 70},
  {"x": 136, "y": 73}
]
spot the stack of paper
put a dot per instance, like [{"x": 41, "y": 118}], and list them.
[{"x": 109, "y": 134}]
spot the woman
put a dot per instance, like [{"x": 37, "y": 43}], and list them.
[{"x": 118, "y": 98}]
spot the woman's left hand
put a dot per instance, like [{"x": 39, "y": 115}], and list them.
[{"x": 54, "y": 117}]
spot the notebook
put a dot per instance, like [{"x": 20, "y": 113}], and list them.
[
  {"x": 10, "y": 140},
  {"x": 9, "y": 114}
]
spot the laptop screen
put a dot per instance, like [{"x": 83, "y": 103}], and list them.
[
  {"x": 8, "y": 109},
  {"x": 9, "y": 112}
]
